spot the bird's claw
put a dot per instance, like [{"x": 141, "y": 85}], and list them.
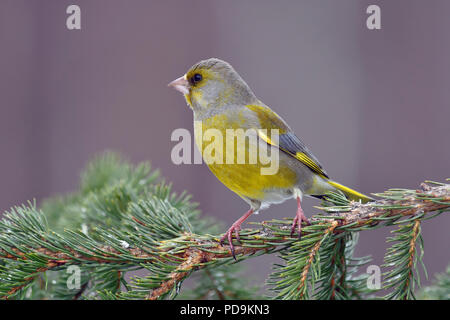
[
  {"x": 299, "y": 218},
  {"x": 229, "y": 236}
]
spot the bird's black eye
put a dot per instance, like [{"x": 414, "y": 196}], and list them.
[{"x": 196, "y": 78}]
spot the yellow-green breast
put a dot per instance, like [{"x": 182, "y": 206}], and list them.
[{"x": 244, "y": 179}]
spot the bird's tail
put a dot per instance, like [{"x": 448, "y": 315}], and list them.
[{"x": 350, "y": 193}]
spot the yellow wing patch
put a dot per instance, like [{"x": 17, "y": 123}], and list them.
[
  {"x": 262, "y": 134},
  {"x": 270, "y": 120},
  {"x": 309, "y": 162},
  {"x": 299, "y": 155}
]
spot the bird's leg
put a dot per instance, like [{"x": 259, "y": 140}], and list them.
[
  {"x": 299, "y": 218},
  {"x": 235, "y": 227}
]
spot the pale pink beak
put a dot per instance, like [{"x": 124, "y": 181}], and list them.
[{"x": 180, "y": 84}]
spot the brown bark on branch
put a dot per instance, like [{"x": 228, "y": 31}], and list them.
[{"x": 202, "y": 251}]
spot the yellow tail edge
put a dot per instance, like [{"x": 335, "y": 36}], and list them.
[{"x": 350, "y": 193}]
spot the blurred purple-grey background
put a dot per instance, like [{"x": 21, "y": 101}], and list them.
[{"x": 373, "y": 105}]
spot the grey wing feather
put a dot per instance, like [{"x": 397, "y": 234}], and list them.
[{"x": 291, "y": 143}]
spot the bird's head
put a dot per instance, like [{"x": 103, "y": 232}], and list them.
[{"x": 213, "y": 83}]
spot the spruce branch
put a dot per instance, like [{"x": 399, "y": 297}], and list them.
[
  {"x": 165, "y": 245},
  {"x": 312, "y": 255},
  {"x": 402, "y": 257},
  {"x": 226, "y": 282}
]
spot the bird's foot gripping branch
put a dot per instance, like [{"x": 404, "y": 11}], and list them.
[{"x": 124, "y": 222}]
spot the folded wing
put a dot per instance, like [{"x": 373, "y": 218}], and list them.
[{"x": 288, "y": 141}]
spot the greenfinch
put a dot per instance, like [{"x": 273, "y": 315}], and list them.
[{"x": 221, "y": 100}]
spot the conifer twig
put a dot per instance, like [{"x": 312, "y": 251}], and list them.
[
  {"x": 195, "y": 251},
  {"x": 312, "y": 255}
]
